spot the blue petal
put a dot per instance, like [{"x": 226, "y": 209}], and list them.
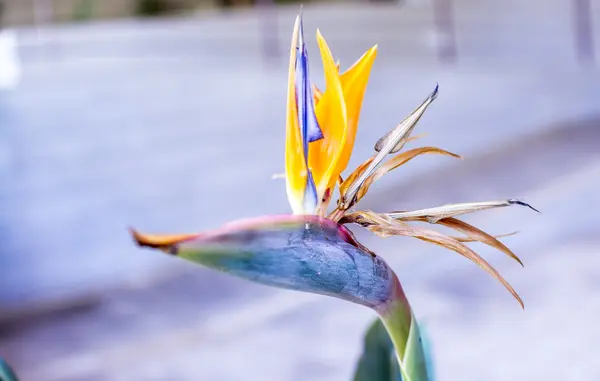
[
  {"x": 307, "y": 120},
  {"x": 306, "y": 114},
  {"x": 314, "y": 130}
]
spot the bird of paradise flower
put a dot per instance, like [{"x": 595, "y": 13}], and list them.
[{"x": 312, "y": 250}]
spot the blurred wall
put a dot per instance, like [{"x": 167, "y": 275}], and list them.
[{"x": 26, "y": 12}]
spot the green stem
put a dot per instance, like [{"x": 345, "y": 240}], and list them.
[{"x": 399, "y": 320}]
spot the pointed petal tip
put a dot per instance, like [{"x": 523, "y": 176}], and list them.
[
  {"x": 514, "y": 201},
  {"x": 137, "y": 236},
  {"x": 301, "y": 45},
  {"x": 316, "y": 135},
  {"x": 435, "y": 92},
  {"x": 158, "y": 241},
  {"x": 519, "y": 261},
  {"x": 371, "y": 51},
  {"x": 319, "y": 34}
]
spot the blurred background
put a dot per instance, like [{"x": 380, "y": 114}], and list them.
[{"x": 168, "y": 115}]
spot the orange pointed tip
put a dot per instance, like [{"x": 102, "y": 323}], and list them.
[{"x": 159, "y": 241}]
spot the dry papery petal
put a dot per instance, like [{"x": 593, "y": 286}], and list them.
[
  {"x": 469, "y": 239},
  {"x": 361, "y": 168},
  {"x": 383, "y": 225},
  {"x": 394, "y": 140},
  {"x": 477, "y": 235},
  {"x": 354, "y": 175},
  {"x": 398, "y": 161},
  {"x": 451, "y": 210},
  {"x": 391, "y": 142}
]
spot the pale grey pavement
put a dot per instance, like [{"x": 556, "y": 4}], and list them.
[{"x": 176, "y": 125}]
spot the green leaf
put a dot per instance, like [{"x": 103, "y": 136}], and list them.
[
  {"x": 6, "y": 372},
  {"x": 427, "y": 350},
  {"x": 378, "y": 361}
]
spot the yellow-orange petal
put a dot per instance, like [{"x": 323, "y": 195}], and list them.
[
  {"x": 354, "y": 83},
  {"x": 331, "y": 114},
  {"x": 295, "y": 165}
]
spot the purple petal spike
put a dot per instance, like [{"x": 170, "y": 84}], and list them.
[
  {"x": 307, "y": 120},
  {"x": 304, "y": 97}
]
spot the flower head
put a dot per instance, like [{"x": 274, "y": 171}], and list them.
[{"x": 314, "y": 252}]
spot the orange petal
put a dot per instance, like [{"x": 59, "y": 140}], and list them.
[
  {"x": 161, "y": 241},
  {"x": 354, "y": 83},
  {"x": 332, "y": 116}
]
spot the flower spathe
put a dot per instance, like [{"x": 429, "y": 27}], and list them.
[
  {"x": 315, "y": 252},
  {"x": 310, "y": 254}
]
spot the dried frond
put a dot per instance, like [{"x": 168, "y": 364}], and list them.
[
  {"x": 361, "y": 168},
  {"x": 354, "y": 175},
  {"x": 451, "y": 210},
  {"x": 478, "y": 235},
  {"x": 383, "y": 225},
  {"x": 397, "y": 161},
  {"x": 391, "y": 142},
  {"x": 469, "y": 239}
]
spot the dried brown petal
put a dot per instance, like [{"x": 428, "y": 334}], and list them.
[
  {"x": 469, "y": 239},
  {"x": 451, "y": 210},
  {"x": 396, "y": 162},
  {"x": 478, "y": 235},
  {"x": 381, "y": 225},
  {"x": 393, "y": 141},
  {"x": 354, "y": 175}
]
